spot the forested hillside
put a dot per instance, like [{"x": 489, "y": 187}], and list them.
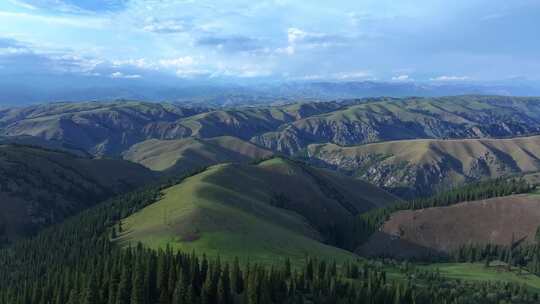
[
  {"x": 77, "y": 263},
  {"x": 39, "y": 187}
]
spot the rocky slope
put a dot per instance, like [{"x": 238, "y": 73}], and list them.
[
  {"x": 422, "y": 166},
  {"x": 383, "y": 120}
]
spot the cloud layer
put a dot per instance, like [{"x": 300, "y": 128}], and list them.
[{"x": 431, "y": 41}]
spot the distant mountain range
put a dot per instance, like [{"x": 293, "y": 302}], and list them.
[
  {"x": 400, "y": 144},
  {"x": 232, "y": 94}
]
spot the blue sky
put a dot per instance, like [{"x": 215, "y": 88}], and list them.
[{"x": 173, "y": 40}]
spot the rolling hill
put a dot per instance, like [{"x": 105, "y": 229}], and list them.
[
  {"x": 99, "y": 128},
  {"x": 110, "y": 128},
  {"x": 275, "y": 208},
  {"x": 441, "y": 230},
  {"x": 411, "y": 167},
  {"x": 184, "y": 155},
  {"x": 39, "y": 186},
  {"x": 375, "y": 120}
]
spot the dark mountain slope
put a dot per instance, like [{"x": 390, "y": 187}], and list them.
[
  {"x": 110, "y": 128},
  {"x": 39, "y": 187},
  {"x": 100, "y": 128}
]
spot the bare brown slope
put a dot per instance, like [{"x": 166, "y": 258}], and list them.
[{"x": 443, "y": 229}]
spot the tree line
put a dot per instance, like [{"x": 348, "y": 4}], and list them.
[{"x": 77, "y": 262}]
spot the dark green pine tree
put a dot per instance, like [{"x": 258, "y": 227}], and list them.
[
  {"x": 191, "y": 297},
  {"x": 164, "y": 296},
  {"x": 287, "y": 269},
  {"x": 123, "y": 296},
  {"x": 207, "y": 292},
  {"x": 237, "y": 282},
  {"x": 138, "y": 295},
  {"x": 114, "y": 281},
  {"x": 91, "y": 295},
  {"x": 73, "y": 297},
  {"x": 224, "y": 287},
  {"x": 180, "y": 292}
]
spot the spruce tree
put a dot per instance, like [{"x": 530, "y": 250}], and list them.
[
  {"x": 91, "y": 295},
  {"x": 123, "y": 295},
  {"x": 224, "y": 287},
  {"x": 137, "y": 290}
]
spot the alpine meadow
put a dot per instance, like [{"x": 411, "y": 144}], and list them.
[{"x": 269, "y": 152}]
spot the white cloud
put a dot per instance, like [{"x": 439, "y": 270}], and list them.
[
  {"x": 170, "y": 26},
  {"x": 124, "y": 76},
  {"x": 23, "y": 4},
  {"x": 294, "y": 35},
  {"x": 177, "y": 62},
  {"x": 353, "y": 75},
  {"x": 14, "y": 51},
  {"x": 289, "y": 50},
  {"x": 168, "y": 63},
  {"x": 140, "y": 63},
  {"x": 80, "y": 22},
  {"x": 402, "y": 78},
  {"x": 450, "y": 78},
  {"x": 297, "y": 37}
]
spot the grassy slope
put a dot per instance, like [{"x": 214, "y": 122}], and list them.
[
  {"x": 190, "y": 153},
  {"x": 478, "y": 272},
  {"x": 39, "y": 186},
  {"x": 424, "y": 164},
  {"x": 225, "y": 210}
]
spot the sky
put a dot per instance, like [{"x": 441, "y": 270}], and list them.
[{"x": 436, "y": 41}]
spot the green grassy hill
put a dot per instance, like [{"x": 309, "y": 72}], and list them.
[
  {"x": 184, "y": 155},
  {"x": 422, "y": 166},
  {"x": 263, "y": 212},
  {"x": 39, "y": 186}
]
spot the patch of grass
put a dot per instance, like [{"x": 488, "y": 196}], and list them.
[{"x": 478, "y": 272}]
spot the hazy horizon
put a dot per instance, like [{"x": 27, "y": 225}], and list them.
[{"x": 63, "y": 46}]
